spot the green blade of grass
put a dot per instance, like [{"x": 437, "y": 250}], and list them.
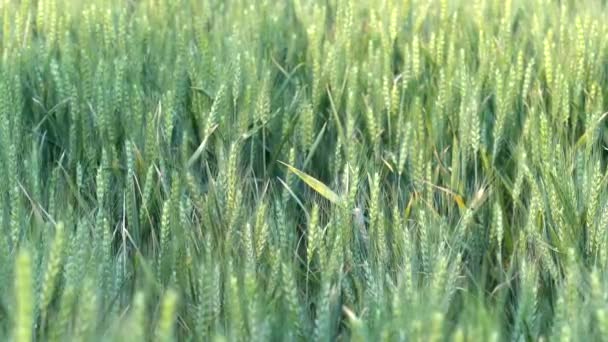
[{"x": 315, "y": 184}]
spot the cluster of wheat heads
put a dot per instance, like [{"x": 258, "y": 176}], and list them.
[{"x": 422, "y": 170}]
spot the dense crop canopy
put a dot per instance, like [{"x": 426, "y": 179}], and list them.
[{"x": 382, "y": 170}]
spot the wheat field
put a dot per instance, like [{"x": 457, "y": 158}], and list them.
[{"x": 295, "y": 170}]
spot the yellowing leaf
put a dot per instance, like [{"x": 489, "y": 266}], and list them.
[
  {"x": 408, "y": 209},
  {"x": 459, "y": 201},
  {"x": 315, "y": 184}
]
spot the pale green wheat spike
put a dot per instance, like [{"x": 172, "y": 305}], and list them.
[
  {"x": 55, "y": 22},
  {"x": 6, "y": 29},
  {"x": 317, "y": 73},
  {"x": 465, "y": 80},
  {"x": 370, "y": 284},
  {"x": 545, "y": 140},
  {"x": 406, "y": 72},
  {"x": 144, "y": 213},
  {"x": 353, "y": 185},
  {"x": 594, "y": 107},
  {"x": 151, "y": 145},
  {"x": 40, "y": 15},
  {"x": 593, "y": 197},
  {"x": 376, "y": 223},
  {"x": 130, "y": 191},
  {"x": 548, "y": 61},
  {"x": 407, "y": 146},
  {"x": 498, "y": 228},
  {"x": 108, "y": 30},
  {"x": 442, "y": 96},
  {"x": 75, "y": 123},
  {"x": 15, "y": 197},
  {"x": 283, "y": 231},
  {"x": 247, "y": 245},
  {"x": 102, "y": 178},
  {"x": 407, "y": 278},
  {"x": 233, "y": 195},
  {"x": 208, "y": 307},
  {"x": 164, "y": 257},
  {"x": 451, "y": 57},
  {"x": 79, "y": 176},
  {"x": 395, "y": 101},
  {"x": 323, "y": 324},
  {"x": 505, "y": 22},
  {"x": 236, "y": 316},
  {"x": 546, "y": 259},
  {"x": 533, "y": 211},
  {"x": 290, "y": 293},
  {"x": 600, "y": 238},
  {"x": 439, "y": 275},
  {"x": 101, "y": 247},
  {"x": 313, "y": 234},
  {"x": 166, "y": 320},
  {"x": 52, "y": 185},
  {"x": 119, "y": 81},
  {"x": 117, "y": 281},
  {"x": 137, "y": 322},
  {"x": 499, "y": 95},
  {"x": 559, "y": 89},
  {"x": 167, "y": 108},
  {"x": 59, "y": 80},
  {"x": 528, "y": 78},
  {"x": 52, "y": 270},
  {"x": 431, "y": 44},
  {"x": 275, "y": 272},
  {"x": 572, "y": 279},
  {"x": 346, "y": 29},
  {"x": 372, "y": 127},
  {"x": 386, "y": 96},
  {"x": 527, "y": 301},
  {"x": 420, "y": 135},
  {"x": 419, "y": 168},
  {"x": 261, "y": 230},
  {"x": 214, "y": 117},
  {"x": 236, "y": 79},
  {"x": 453, "y": 277},
  {"x": 416, "y": 64},
  {"x": 87, "y": 310},
  {"x": 308, "y": 126},
  {"x": 259, "y": 330},
  {"x": 511, "y": 90},
  {"x": 474, "y": 122},
  {"x": 580, "y": 52},
  {"x": 423, "y": 231},
  {"x": 519, "y": 68},
  {"x": 121, "y": 35},
  {"x": 23, "y": 291},
  {"x": 137, "y": 113},
  {"x": 348, "y": 291},
  {"x": 104, "y": 110}
]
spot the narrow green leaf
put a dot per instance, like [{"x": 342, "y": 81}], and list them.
[{"x": 315, "y": 184}]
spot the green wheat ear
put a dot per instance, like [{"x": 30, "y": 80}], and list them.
[
  {"x": 166, "y": 321},
  {"x": 53, "y": 268},
  {"x": 23, "y": 290}
]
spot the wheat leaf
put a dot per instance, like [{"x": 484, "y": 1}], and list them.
[{"x": 315, "y": 184}]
